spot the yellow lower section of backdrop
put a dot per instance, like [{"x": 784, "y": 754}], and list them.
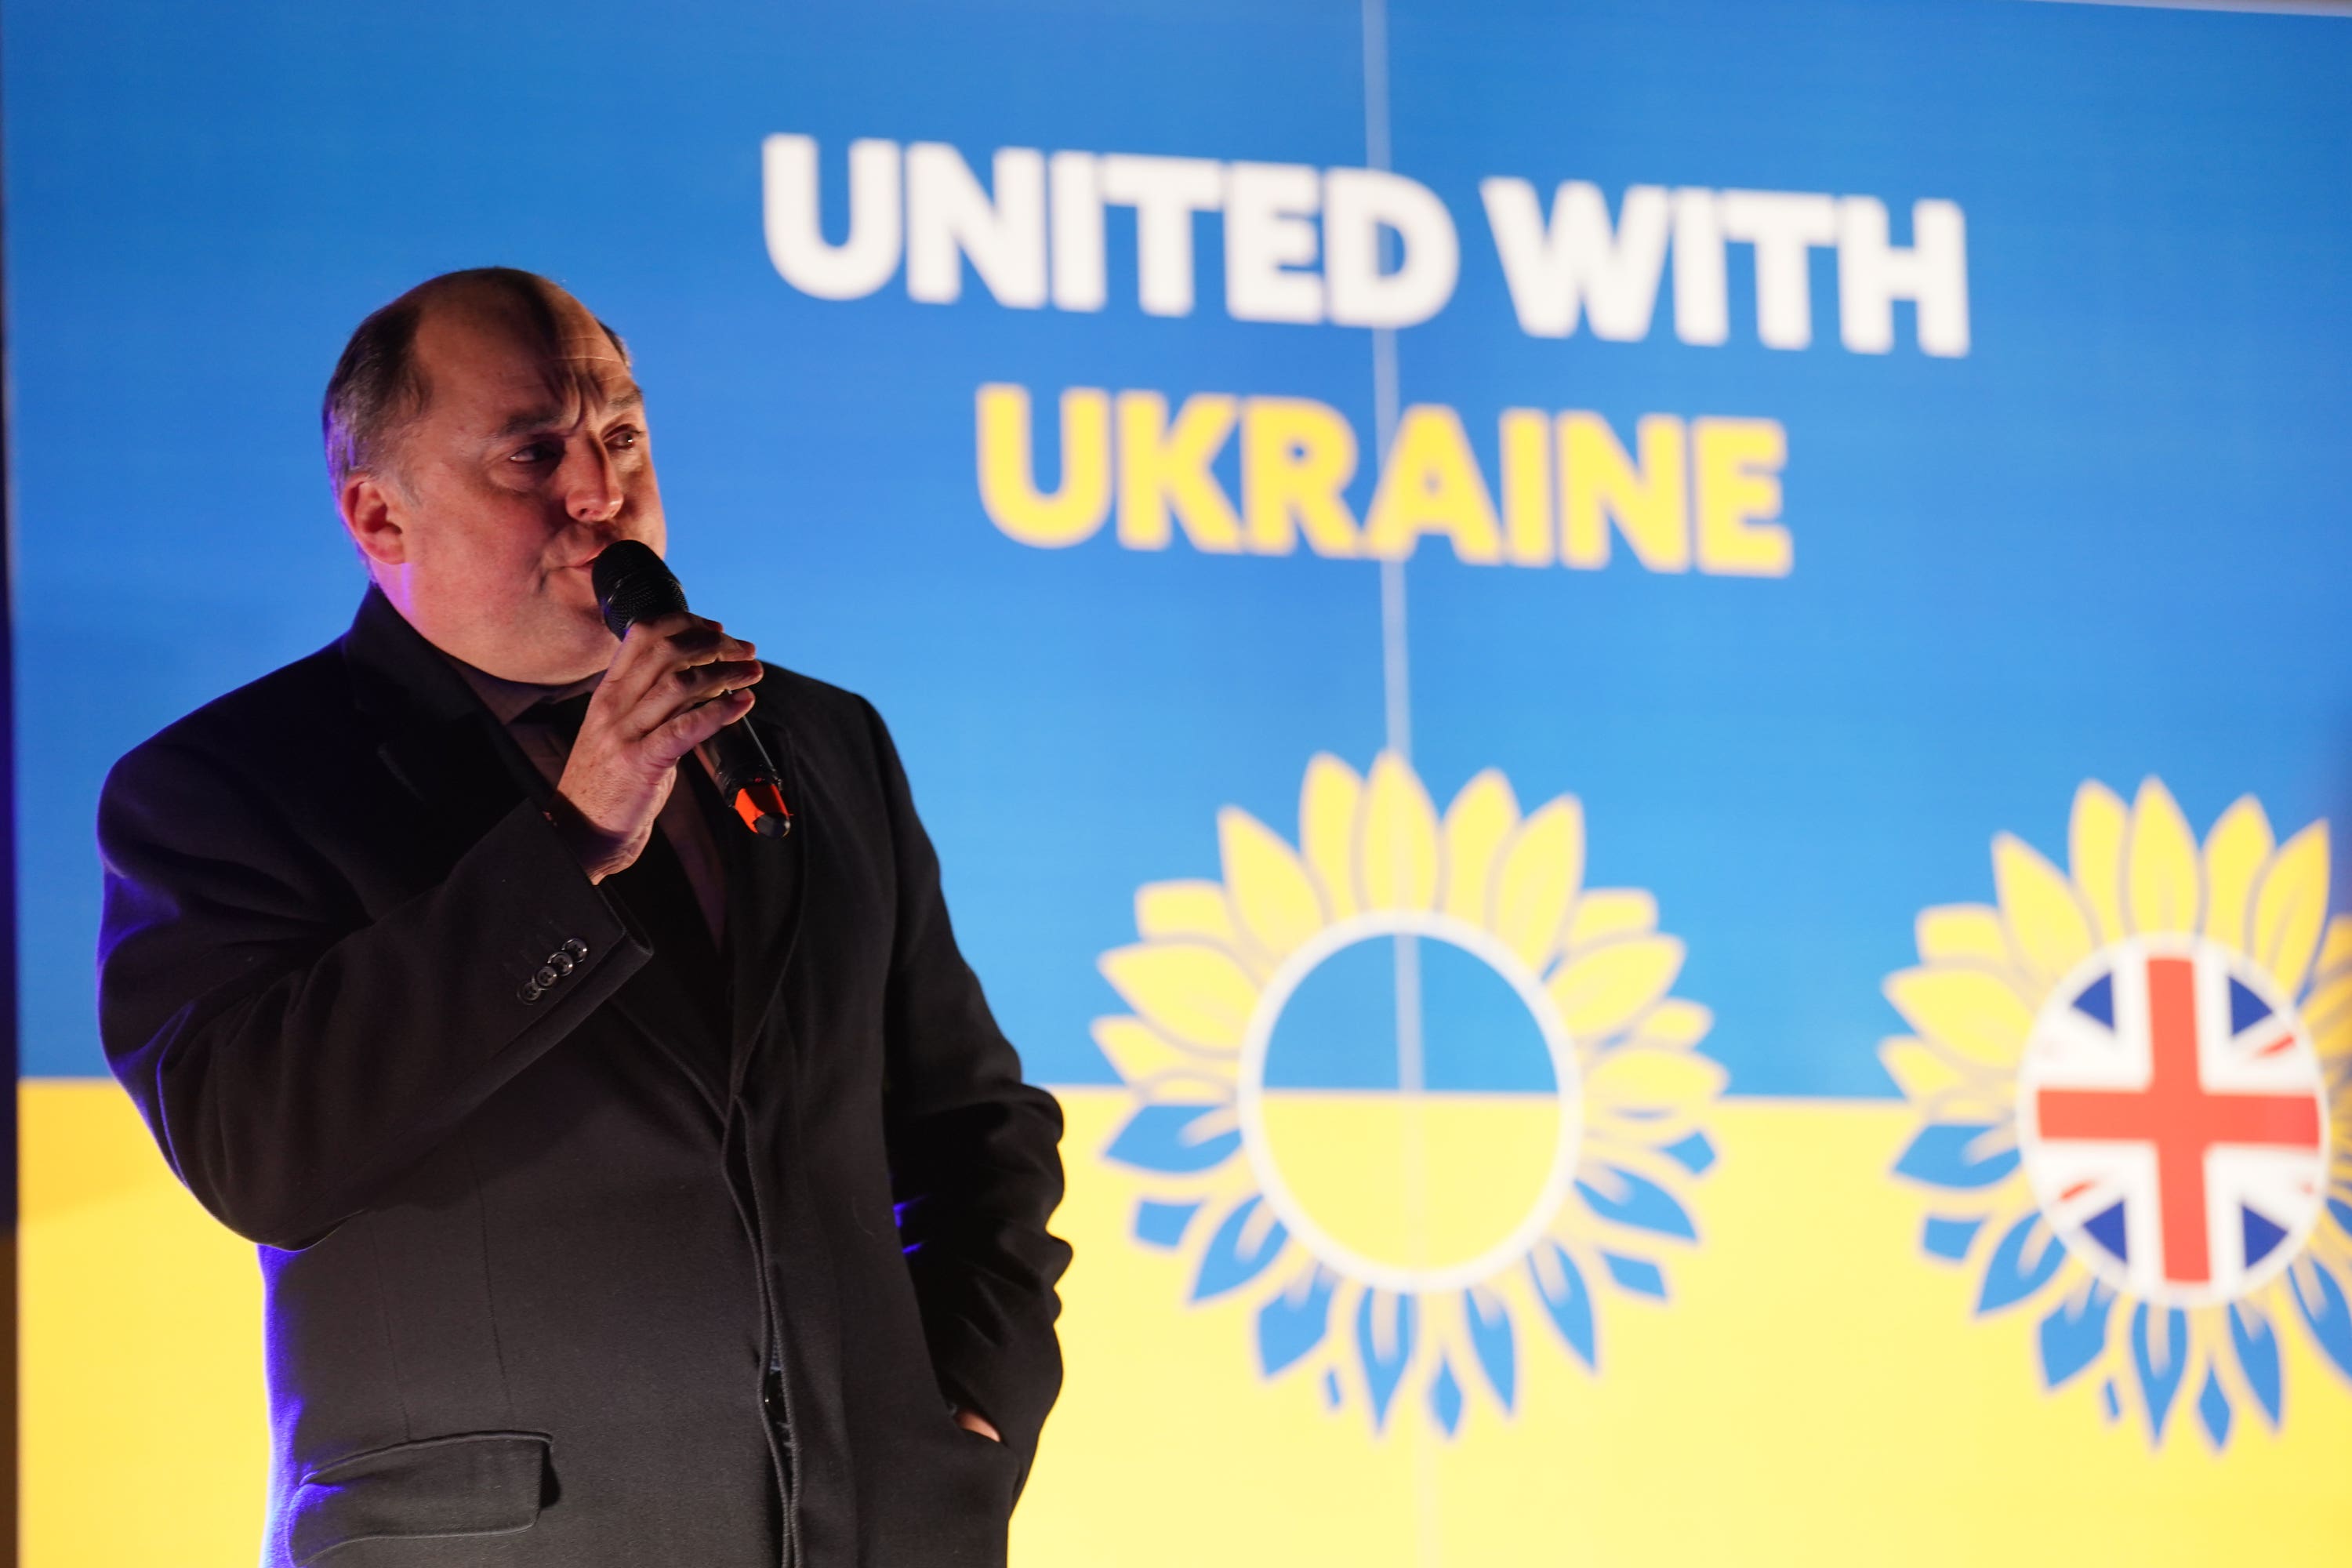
[{"x": 1815, "y": 1392}]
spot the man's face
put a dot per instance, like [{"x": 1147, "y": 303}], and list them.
[{"x": 529, "y": 459}]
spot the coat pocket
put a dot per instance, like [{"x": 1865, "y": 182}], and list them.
[{"x": 475, "y": 1483}]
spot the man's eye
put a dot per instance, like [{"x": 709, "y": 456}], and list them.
[
  {"x": 627, "y": 436},
  {"x": 536, "y": 452}
]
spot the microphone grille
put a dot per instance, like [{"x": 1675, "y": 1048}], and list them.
[{"x": 632, "y": 584}]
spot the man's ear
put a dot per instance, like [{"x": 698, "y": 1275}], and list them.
[{"x": 373, "y": 514}]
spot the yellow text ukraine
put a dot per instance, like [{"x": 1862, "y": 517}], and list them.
[{"x": 1699, "y": 494}]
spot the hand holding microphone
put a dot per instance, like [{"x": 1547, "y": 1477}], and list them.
[{"x": 678, "y": 682}]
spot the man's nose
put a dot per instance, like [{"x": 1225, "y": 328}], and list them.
[{"x": 592, "y": 484}]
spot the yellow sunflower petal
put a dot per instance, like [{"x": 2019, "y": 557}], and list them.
[
  {"x": 1607, "y": 988},
  {"x": 1477, "y": 822},
  {"x": 1653, "y": 1081},
  {"x": 2095, "y": 851},
  {"x": 1675, "y": 1024},
  {"x": 1606, "y": 912},
  {"x": 2051, "y": 927},
  {"x": 2290, "y": 906},
  {"x": 2335, "y": 947},
  {"x": 2162, "y": 886},
  {"x": 1271, "y": 890},
  {"x": 1973, "y": 1011},
  {"x": 2234, "y": 853},
  {"x": 1328, "y": 803},
  {"x": 1142, "y": 1053},
  {"x": 1397, "y": 844},
  {"x": 1963, "y": 933},
  {"x": 2327, "y": 1013},
  {"x": 1186, "y": 909},
  {"x": 1920, "y": 1069},
  {"x": 1539, "y": 875},
  {"x": 1193, "y": 992}
]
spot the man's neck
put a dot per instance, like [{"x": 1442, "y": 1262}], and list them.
[{"x": 507, "y": 699}]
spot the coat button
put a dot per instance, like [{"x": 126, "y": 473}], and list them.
[
  {"x": 577, "y": 949},
  {"x": 560, "y": 961},
  {"x": 546, "y": 977}
]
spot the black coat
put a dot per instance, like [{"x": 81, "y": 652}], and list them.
[{"x": 558, "y": 1275}]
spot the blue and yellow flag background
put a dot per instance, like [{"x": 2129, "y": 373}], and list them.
[{"x": 1273, "y": 633}]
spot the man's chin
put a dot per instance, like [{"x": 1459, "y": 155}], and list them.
[
  {"x": 590, "y": 639},
  {"x": 559, "y": 638},
  {"x": 571, "y": 592}
]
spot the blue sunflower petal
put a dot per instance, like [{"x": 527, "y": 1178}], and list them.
[
  {"x": 2075, "y": 1332},
  {"x": 1294, "y": 1322},
  {"x": 1445, "y": 1399},
  {"x": 2213, "y": 1410},
  {"x": 2343, "y": 1213},
  {"x": 2010, "y": 1277},
  {"x": 1560, "y": 1286},
  {"x": 1646, "y": 1206},
  {"x": 1229, "y": 1262},
  {"x": 2160, "y": 1382},
  {"x": 1491, "y": 1336},
  {"x": 1695, "y": 1154},
  {"x": 1162, "y": 1225},
  {"x": 1942, "y": 1156},
  {"x": 2330, "y": 1320},
  {"x": 1384, "y": 1330},
  {"x": 1173, "y": 1139},
  {"x": 1950, "y": 1239},
  {"x": 2258, "y": 1358},
  {"x": 1638, "y": 1275}
]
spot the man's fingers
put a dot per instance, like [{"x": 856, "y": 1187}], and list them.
[
  {"x": 689, "y": 687},
  {"x": 655, "y": 648},
  {"x": 702, "y": 642},
  {"x": 688, "y": 729},
  {"x": 709, "y": 677},
  {"x": 692, "y": 635}
]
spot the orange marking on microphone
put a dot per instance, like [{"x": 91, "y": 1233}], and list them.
[{"x": 761, "y": 807}]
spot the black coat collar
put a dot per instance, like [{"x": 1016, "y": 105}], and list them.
[{"x": 437, "y": 738}]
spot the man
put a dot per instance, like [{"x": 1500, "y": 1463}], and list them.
[{"x": 631, "y": 1189}]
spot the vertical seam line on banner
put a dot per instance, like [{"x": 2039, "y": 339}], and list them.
[
  {"x": 1396, "y": 692},
  {"x": 1396, "y": 684}
]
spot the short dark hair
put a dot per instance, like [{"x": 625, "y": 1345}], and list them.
[{"x": 377, "y": 388}]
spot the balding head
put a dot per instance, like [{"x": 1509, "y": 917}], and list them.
[{"x": 379, "y": 386}]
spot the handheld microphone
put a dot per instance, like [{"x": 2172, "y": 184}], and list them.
[{"x": 632, "y": 584}]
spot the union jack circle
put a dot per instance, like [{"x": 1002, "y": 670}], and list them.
[{"x": 2172, "y": 1117}]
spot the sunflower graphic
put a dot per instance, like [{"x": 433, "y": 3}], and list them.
[
  {"x": 1409, "y": 1089},
  {"x": 2132, "y": 1077}
]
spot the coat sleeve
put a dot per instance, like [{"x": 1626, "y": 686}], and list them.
[
  {"x": 290, "y": 1054},
  {"x": 974, "y": 1159}
]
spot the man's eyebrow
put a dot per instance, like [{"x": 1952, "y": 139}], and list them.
[{"x": 533, "y": 419}]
